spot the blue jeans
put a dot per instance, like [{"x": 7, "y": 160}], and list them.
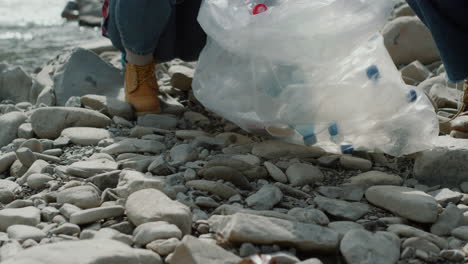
[
  {"x": 166, "y": 28},
  {"x": 448, "y": 23}
]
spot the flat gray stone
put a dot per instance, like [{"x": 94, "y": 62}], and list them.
[
  {"x": 9, "y": 186},
  {"x": 444, "y": 164},
  {"x": 89, "y": 168},
  {"x": 152, "y": 231},
  {"x": 85, "y": 252},
  {"x": 10, "y": 123},
  {"x": 300, "y": 174},
  {"x": 158, "y": 121},
  {"x": 134, "y": 146},
  {"x": 445, "y": 196},
  {"x": 133, "y": 181},
  {"x": 372, "y": 178},
  {"x": 6, "y": 160},
  {"x": 183, "y": 153},
  {"x": 240, "y": 228},
  {"x": 220, "y": 189},
  {"x": 460, "y": 232},
  {"x": 95, "y": 214},
  {"x": 421, "y": 244},
  {"x": 30, "y": 216},
  {"x": 309, "y": 215},
  {"x": 196, "y": 251},
  {"x": 265, "y": 198},
  {"x": 276, "y": 173},
  {"x": 409, "y": 231},
  {"x": 449, "y": 219},
  {"x": 164, "y": 247},
  {"x": 405, "y": 202},
  {"x": 151, "y": 205},
  {"x": 361, "y": 246},
  {"x": 38, "y": 181},
  {"x": 36, "y": 167},
  {"x": 85, "y": 135},
  {"x": 226, "y": 174},
  {"x": 49, "y": 122},
  {"x": 355, "y": 163},
  {"x": 25, "y": 232},
  {"x": 279, "y": 149},
  {"x": 342, "y": 209},
  {"x": 82, "y": 196},
  {"x": 343, "y": 227}
]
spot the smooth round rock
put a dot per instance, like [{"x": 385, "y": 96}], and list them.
[
  {"x": 24, "y": 232},
  {"x": 86, "y": 135},
  {"x": 38, "y": 181}
]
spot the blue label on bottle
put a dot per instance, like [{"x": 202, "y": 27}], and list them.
[{"x": 373, "y": 73}]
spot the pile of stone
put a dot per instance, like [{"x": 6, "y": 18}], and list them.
[{"x": 84, "y": 180}]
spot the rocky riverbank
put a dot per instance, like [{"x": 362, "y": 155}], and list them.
[{"x": 83, "y": 180}]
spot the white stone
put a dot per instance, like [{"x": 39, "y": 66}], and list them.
[
  {"x": 81, "y": 72},
  {"x": 133, "y": 181},
  {"x": 49, "y": 122},
  {"x": 25, "y": 232},
  {"x": 196, "y": 251},
  {"x": 95, "y": 214},
  {"x": 85, "y": 252},
  {"x": 415, "y": 73},
  {"x": 152, "y": 231},
  {"x": 89, "y": 168},
  {"x": 82, "y": 196},
  {"x": 86, "y": 135},
  {"x": 30, "y": 216},
  {"x": 151, "y": 205},
  {"x": 164, "y": 247},
  {"x": 38, "y": 181}
]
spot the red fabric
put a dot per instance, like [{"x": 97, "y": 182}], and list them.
[{"x": 105, "y": 15}]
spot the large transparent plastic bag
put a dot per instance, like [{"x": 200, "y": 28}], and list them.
[{"x": 311, "y": 72}]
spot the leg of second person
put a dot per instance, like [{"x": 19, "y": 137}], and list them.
[{"x": 140, "y": 24}]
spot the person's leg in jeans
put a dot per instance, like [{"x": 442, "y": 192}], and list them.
[
  {"x": 448, "y": 23},
  {"x": 135, "y": 28}
]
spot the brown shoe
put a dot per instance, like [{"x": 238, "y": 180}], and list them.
[{"x": 141, "y": 88}]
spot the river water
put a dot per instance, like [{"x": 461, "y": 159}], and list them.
[{"x": 32, "y": 32}]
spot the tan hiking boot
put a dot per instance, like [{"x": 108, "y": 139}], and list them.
[{"x": 141, "y": 88}]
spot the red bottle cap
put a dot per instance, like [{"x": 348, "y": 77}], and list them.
[{"x": 260, "y": 8}]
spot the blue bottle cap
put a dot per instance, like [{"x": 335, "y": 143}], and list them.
[
  {"x": 310, "y": 139},
  {"x": 373, "y": 73},
  {"x": 412, "y": 96},
  {"x": 347, "y": 149},
  {"x": 333, "y": 130}
]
